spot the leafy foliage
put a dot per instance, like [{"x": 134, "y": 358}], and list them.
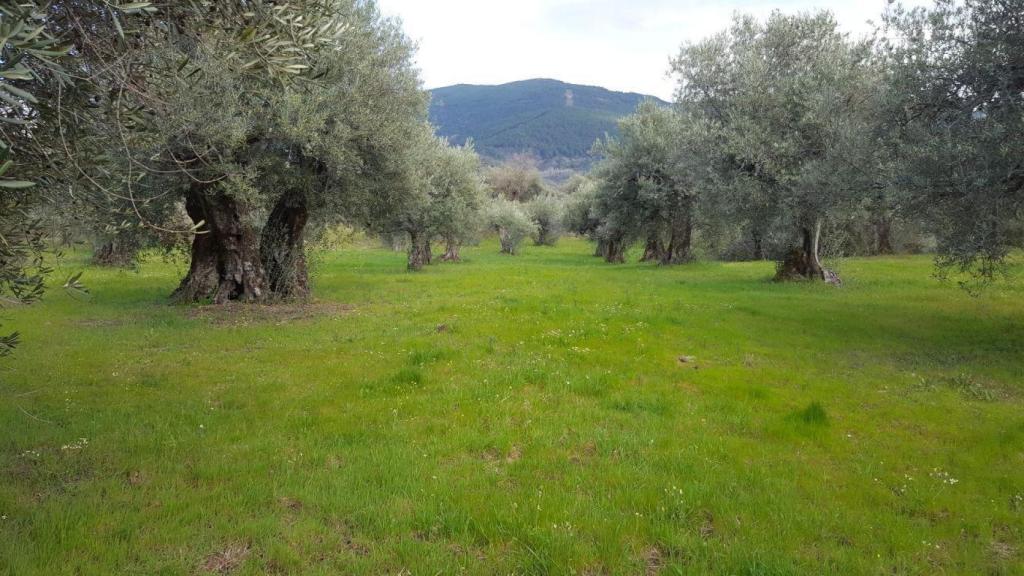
[{"x": 512, "y": 224}]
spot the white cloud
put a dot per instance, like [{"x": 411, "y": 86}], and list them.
[{"x": 619, "y": 44}]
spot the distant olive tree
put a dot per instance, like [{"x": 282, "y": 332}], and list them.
[
  {"x": 444, "y": 199},
  {"x": 517, "y": 180},
  {"x": 512, "y": 224},
  {"x": 547, "y": 213},
  {"x": 645, "y": 192}
]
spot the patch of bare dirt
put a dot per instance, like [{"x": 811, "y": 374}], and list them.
[
  {"x": 707, "y": 526},
  {"x": 654, "y": 561},
  {"x": 227, "y": 560},
  {"x": 237, "y": 314}
]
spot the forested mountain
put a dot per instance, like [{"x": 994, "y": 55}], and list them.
[{"x": 551, "y": 120}]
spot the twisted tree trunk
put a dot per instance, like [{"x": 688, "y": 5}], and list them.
[
  {"x": 201, "y": 280},
  {"x": 116, "y": 252},
  {"x": 227, "y": 245},
  {"x": 419, "y": 250},
  {"x": 682, "y": 239},
  {"x": 451, "y": 252},
  {"x": 654, "y": 250},
  {"x": 283, "y": 249},
  {"x": 615, "y": 252},
  {"x": 804, "y": 263}
]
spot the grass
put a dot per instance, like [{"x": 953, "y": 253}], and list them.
[{"x": 543, "y": 414}]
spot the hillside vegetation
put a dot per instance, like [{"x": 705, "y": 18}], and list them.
[{"x": 554, "y": 121}]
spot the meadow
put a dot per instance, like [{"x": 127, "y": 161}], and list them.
[{"x": 540, "y": 414}]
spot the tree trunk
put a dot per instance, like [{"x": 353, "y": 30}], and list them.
[
  {"x": 654, "y": 250},
  {"x": 758, "y": 239},
  {"x": 883, "y": 235},
  {"x": 507, "y": 244},
  {"x": 451, "y": 252},
  {"x": 616, "y": 251},
  {"x": 201, "y": 280},
  {"x": 229, "y": 244},
  {"x": 419, "y": 251},
  {"x": 283, "y": 249},
  {"x": 116, "y": 252},
  {"x": 803, "y": 263},
  {"x": 602, "y": 248},
  {"x": 682, "y": 238}
]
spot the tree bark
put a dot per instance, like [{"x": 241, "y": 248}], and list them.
[
  {"x": 451, "y": 252},
  {"x": 883, "y": 235},
  {"x": 601, "y": 250},
  {"x": 116, "y": 252},
  {"x": 508, "y": 246},
  {"x": 201, "y": 280},
  {"x": 419, "y": 251},
  {"x": 229, "y": 244},
  {"x": 654, "y": 250},
  {"x": 804, "y": 263},
  {"x": 758, "y": 239},
  {"x": 682, "y": 239},
  {"x": 616, "y": 251},
  {"x": 283, "y": 249}
]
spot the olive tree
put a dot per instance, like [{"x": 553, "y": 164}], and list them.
[
  {"x": 547, "y": 213},
  {"x": 517, "y": 180},
  {"x": 957, "y": 79},
  {"x": 789, "y": 103},
  {"x": 444, "y": 198},
  {"x": 511, "y": 223},
  {"x": 644, "y": 191}
]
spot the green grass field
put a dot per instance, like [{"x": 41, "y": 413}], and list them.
[{"x": 525, "y": 415}]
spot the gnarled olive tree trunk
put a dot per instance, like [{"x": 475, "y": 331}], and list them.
[
  {"x": 682, "y": 239},
  {"x": 116, "y": 252},
  {"x": 283, "y": 249},
  {"x": 420, "y": 254},
  {"x": 226, "y": 262},
  {"x": 654, "y": 250},
  {"x": 201, "y": 280},
  {"x": 804, "y": 263},
  {"x": 615, "y": 252},
  {"x": 451, "y": 251}
]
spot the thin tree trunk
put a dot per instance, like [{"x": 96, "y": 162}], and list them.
[
  {"x": 758, "y": 238},
  {"x": 883, "y": 235},
  {"x": 282, "y": 247}
]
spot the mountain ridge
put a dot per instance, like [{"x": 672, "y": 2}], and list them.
[{"x": 555, "y": 122}]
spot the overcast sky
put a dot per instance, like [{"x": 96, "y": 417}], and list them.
[{"x": 619, "y": 44}]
